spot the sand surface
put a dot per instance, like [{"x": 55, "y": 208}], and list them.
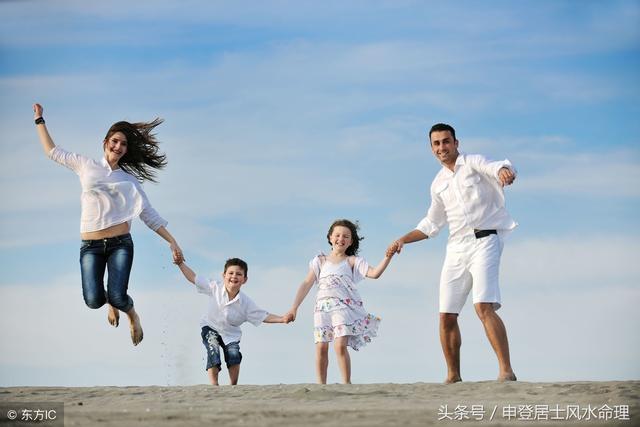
[{"x": 420, "y": 404}]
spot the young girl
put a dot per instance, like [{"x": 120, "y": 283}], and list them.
[
  {"x": 111, "y": 197},
  {"x": 339, "y": 315}
]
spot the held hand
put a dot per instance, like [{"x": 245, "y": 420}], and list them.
[
  {"x": 289, "y": 316},
  {"x": 394, "y": 248},
  {"x": 506, "y": 176},
  {"x": 178, "y": 257},
  {"x": 37, "y": 111}
]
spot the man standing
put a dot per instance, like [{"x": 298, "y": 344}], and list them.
[{"x": 467, "y": 194}]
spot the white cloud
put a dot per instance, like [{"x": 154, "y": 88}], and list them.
[
  {"x": 572, "y": 262},
  {"x": 543, "y": 29},
  {"x": 615, "y": 174}
]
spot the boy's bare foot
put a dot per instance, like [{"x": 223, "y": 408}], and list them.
[
  {"x": 135, "y": 326},
  {"x": 113, "y": 315},
  {"x": 452, "y": 380},
  {"x": 507, "y": 377}
]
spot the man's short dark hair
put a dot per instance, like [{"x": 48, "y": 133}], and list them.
[
  {"x": 441, "y": 127},
  {"x": 237, "y": 262}
]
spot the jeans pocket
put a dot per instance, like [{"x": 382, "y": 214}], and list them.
[
  {"x": 126, "y": 241},
  {"x": 85, "y": 244}
]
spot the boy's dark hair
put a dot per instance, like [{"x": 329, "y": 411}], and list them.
[
  {"x": 237, "y": 262},
  {"x": 441, "y": 127},
  {"x": 353, "y": 227}
]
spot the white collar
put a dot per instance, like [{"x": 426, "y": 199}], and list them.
[
  {"x": 106, "y": 164},
  {"x": 226, "y": 294},
  {"x": 460, "y": 161}
]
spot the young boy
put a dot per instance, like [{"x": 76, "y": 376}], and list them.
[{"x": 228, "y": 309}]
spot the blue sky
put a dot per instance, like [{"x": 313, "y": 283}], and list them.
[{"x": 282, "y": 116}]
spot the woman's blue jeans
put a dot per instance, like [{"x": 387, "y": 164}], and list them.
[{"x": 116, "y": 255}]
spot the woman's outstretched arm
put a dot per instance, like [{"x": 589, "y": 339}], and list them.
[
  {"x": 43, "y": 133},
  {"x": 178, "y": 258}
]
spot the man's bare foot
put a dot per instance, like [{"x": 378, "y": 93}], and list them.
[
  {"x": 507, "y": 377},
  {"x": 452, "y": 380},
  {"x": 135, "y": 326},
  {"x": 113, "y": 315}
]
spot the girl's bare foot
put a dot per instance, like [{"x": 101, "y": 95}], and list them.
[
  {"x": 113, "y": 315},
  {"x": 135, "y": 326}
]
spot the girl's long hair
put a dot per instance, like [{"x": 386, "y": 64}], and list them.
[
  {"x": 143, "y": 156},
  {"x": 353, "y": 227}
]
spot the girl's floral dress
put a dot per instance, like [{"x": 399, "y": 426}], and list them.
[{"x": 339, "y": 311}]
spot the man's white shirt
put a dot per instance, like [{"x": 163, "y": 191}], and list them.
[{"x": 468, "y": 198}]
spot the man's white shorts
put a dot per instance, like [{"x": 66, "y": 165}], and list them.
[{"x": 472, "y": 265}]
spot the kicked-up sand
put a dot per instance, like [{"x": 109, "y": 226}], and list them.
[{"x": 419, "y": 404}]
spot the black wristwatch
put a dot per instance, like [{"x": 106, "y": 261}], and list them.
[{"x": 39, "y": 121}]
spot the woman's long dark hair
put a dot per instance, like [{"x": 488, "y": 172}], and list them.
[{"x": 143, "y": 155}]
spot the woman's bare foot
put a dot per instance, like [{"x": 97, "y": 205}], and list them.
[
  {"x": 135, "y": 326},
  {"x": 113, "y": 315},
  {"x": 452, "y": 380}
]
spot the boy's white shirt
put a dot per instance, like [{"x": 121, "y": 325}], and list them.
[{"x": 224, "y": 315}]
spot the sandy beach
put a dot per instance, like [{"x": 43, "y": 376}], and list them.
[{"x": 419, "y": 404}]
